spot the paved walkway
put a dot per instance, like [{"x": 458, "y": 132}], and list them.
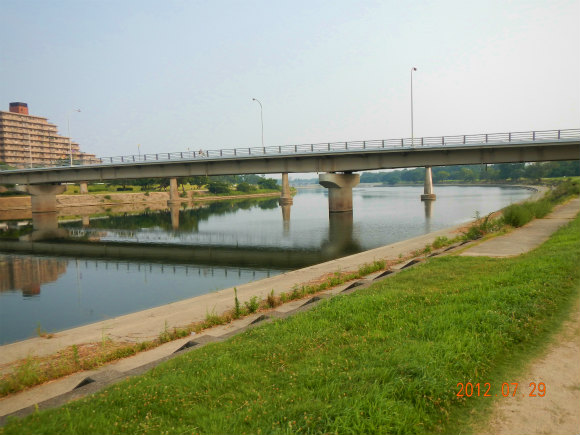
[{"x": 529, "y": 236}]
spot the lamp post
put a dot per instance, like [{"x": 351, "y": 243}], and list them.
[
  {"x": 412, "y": 132},
  {"x": 69, "y": 141},
  {"x": 261, "y": 118}
]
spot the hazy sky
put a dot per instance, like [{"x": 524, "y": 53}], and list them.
[{"x": 172, "y": 75}]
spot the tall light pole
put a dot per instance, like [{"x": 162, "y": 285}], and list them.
[
  {"x": 261, "y": 118},
  {"x": 69, "y": 141},
  {"x": 412, "y": 132}
]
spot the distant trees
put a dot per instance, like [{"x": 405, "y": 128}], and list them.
[
  {"x": 268, "y": 183},
  {"x": 468, "y": 173}
]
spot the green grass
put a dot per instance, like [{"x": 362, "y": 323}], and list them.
[{"x": 382, "y": 360}]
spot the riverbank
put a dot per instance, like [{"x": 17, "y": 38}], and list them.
[
  {"x": 148, "y": 324},
  {"x": 18, "y": 207},
  {"x": 283, "y": 284},
  {"x": 312, "y": 355}
]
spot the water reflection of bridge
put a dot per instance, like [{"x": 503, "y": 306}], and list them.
[
  {"x": 255, "y": 257},
  {"x": 200, "y": 248},
  {"x": 198, "y": 239}
]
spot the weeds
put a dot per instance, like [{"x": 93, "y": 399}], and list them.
[
  {"x": 237, "y": 310},
  {"x": 213, "y": 319},
  {"x": 42, "y": 333},
  {"x": 253, "y": 304},
  {"x": 76, "y": 359},
  {"x": 271, "y": 300},
  {"x": 440, "y": 242}
]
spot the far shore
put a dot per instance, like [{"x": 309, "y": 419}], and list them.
[{"x": 66, "y": 204}]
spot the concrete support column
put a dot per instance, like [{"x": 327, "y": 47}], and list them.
[
  {"x": 428, "y": 194},
  {"x": 84, "y": 188},
  {"x": 44, "y": 212},
  {"x": 173, "y": 192},
  {"x": 286, "y": 196},
  {"x": 339, "y": 190},
  {"x": 43, "y": 197}
]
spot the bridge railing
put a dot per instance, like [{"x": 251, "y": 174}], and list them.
[{"x": 330, "y": 147}]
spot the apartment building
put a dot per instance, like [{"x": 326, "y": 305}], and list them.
[{"x": 31, "y": 141}]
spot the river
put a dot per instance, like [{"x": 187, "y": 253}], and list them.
[{"x": 117, "y": 263}]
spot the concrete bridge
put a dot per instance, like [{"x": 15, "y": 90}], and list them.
[{"x": 335, "y": 161}]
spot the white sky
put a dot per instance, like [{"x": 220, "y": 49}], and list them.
[{"x": 176, "y": 74}]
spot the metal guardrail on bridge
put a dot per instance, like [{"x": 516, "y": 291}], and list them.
[{"x": 338, "y": 147}]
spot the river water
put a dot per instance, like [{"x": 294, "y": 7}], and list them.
[{"x": 117, "y": 263}]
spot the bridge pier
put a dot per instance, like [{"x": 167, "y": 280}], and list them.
[
  {"x": 43, "y": 197},
  {"x": 173, "y": 192},
  {"x": 286, "y": 196},
  {"x": 339, "y": 190},
  {"x": 44, "y": 211},
  {"x": 83, "y": 188},
  {"x": 428, "y": 194}
]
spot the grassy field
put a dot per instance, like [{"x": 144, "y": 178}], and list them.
[{"x": 382, "y": 360}]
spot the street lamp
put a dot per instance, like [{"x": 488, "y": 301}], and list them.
[
  {"x": 412, "y": 132},
  {"x": 69, "y": 141},
  {"x": 261, "y": 118}
]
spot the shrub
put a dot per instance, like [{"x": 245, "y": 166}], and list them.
[
  {"x": 218, "y": 187},
  {"x": 271, "y": 300},
  {"x": 245, "y": 187},
  {"x": 517, "y": 215},
  {"x": 253, "y": 304}
]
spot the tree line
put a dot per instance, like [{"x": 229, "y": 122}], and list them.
[
  {"x": 469, "y": 173},
  {"x": 215, "y": 184}
]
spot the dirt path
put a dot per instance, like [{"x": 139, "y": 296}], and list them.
[{"x": 558, "y": 412}]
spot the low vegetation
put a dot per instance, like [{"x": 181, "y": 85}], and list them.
[{"x": 386, "y": 359}]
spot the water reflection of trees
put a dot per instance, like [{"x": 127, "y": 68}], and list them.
[{"x": 188, "y": 218}]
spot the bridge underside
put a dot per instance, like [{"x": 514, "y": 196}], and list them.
[{"x": 300, "y": 163}]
